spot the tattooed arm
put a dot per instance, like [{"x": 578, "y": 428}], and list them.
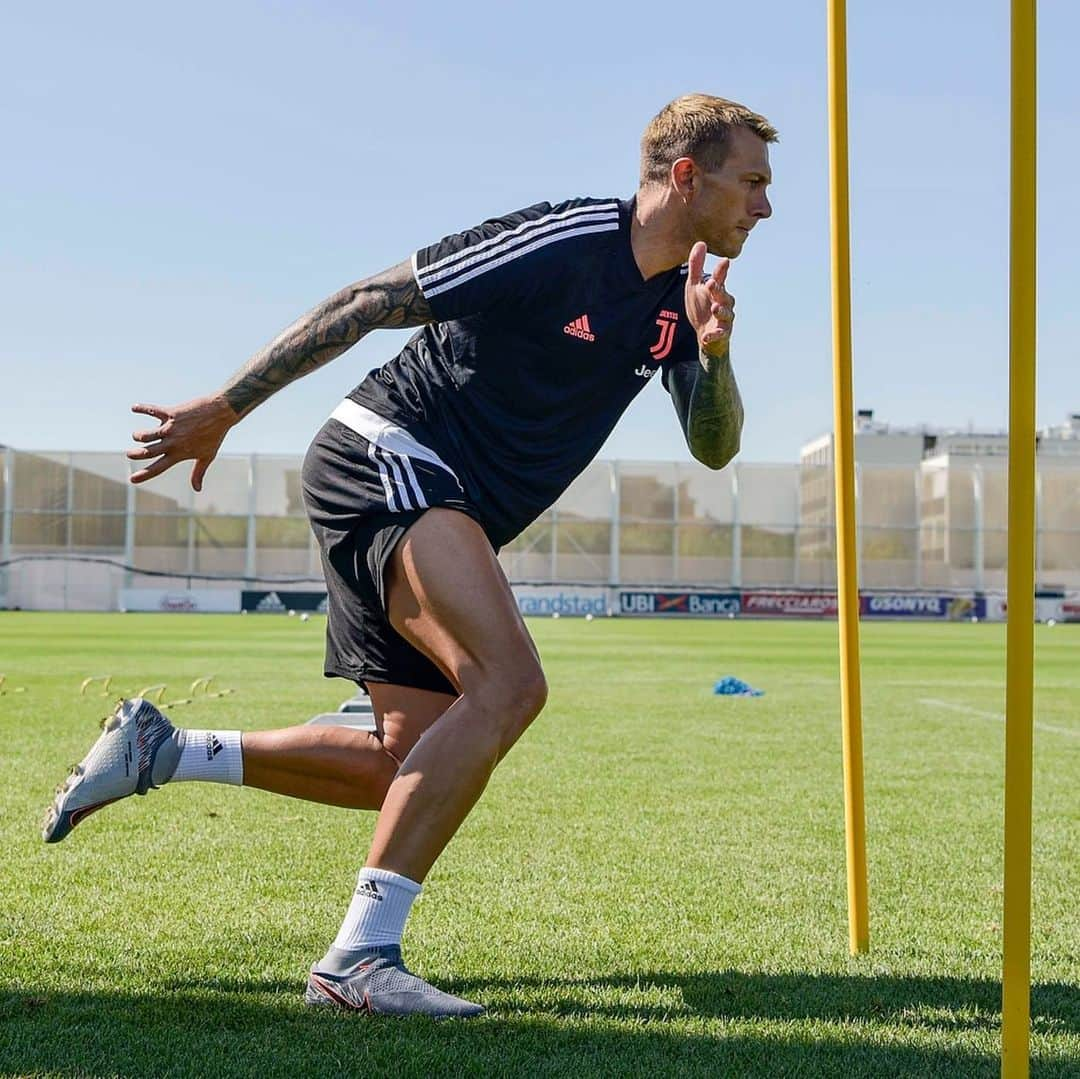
[
  {"x": 710, "y": 409},
  {"x": 195, "y": 430},
  {"x": 704, "y": 393},
  {"x": 391, "y": 299}
]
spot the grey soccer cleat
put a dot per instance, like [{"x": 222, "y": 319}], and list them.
[
  {"x": 382, "y": 986},
  {"x": 136, "y": 752}
]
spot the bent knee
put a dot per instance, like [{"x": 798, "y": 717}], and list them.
[
  {"x": 363, "y": 762},
  {"x": 532, "y": 693},
  {"x": 510, "y": 700},
  {"x": 519, "y": 691}
]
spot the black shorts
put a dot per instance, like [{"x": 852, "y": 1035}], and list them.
[{"x": 362, "y": 494}]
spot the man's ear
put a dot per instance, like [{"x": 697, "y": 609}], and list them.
[{"x": 684, "y": 176}]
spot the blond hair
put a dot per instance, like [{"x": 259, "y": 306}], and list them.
[{"x": 697, "y": 126}]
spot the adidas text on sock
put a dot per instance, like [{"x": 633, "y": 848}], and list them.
[
  {"x": 377, "y": 913},
  {"x": 210, "y": 756}
]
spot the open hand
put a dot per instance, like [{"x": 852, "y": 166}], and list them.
[
  {"x": 192, "y": 431},
  {"x": 709, "y": 306}
]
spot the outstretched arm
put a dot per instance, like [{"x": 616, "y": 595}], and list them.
[
  {"x": 195, "y": 430},
  {"x": 705, "y": 394}
]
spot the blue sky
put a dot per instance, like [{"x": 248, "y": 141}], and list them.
[{"x": 180, "y": 182}]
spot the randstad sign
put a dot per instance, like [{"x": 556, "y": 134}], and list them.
[{"x": 539, "y": 601}]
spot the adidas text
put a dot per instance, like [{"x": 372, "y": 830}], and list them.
[{"x": 580, "y": 328}]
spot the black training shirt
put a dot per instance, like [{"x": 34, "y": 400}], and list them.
[{"x": 545, "y": 333}]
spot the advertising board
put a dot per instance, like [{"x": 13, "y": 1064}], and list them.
[
  {"x": 546, "y": 600},
  {"x": 1070, "y": 606},
  {"x": 279, "y": 601},
  {"x": 692, "y": 604},
  {"x": 789, "y": 604},
  {"x": 1049, "y": 606},
  {"x": 916, "y": 605},
  {"x": 201, "y": 600}
]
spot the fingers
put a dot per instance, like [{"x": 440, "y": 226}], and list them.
[
  {"x": 720, "y": 271},
  {"x": 198, "y": 470},
  {"x": 159, "y": 414},
  {"x": 696, "y": 261},
  {"x": 145, "y": 454},
  {"x": 718, "y": 331},
  {"x": 156, "y": 411},
  {"x": 153, "y": 470}
]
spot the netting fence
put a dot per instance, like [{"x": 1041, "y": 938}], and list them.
[{"x": 74, "y": 532}]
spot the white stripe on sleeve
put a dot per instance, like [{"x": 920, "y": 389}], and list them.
[
  {"x": 519, "y": 233},
  {"x": 493, "y": 263}
]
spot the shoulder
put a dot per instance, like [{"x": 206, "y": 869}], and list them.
[{"x": 521, "y": 235}]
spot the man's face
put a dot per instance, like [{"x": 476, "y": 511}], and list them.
[{"x": 731, "y": 200}]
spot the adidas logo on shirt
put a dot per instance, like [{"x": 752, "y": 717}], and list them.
[
  {"x": 213, "y": 746},
  {"x": 580, "y": 328}
]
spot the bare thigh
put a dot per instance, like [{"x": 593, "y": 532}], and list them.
[{"x": 448, "y": 596}]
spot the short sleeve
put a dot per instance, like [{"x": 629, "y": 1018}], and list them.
[
  {"x": 494, "y": 265},
  {"x": 684, "y": 351}
]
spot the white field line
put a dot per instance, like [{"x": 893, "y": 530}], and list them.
[{"x": 995, "y": 717}]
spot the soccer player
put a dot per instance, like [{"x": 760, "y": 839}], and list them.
[{"x": 535, "y": 332}]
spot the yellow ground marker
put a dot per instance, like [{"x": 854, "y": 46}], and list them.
[
  {"x": 104, "y": 679},
  {"x": 151, "y": 692}
]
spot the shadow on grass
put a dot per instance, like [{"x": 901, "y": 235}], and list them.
[
  {"x": 927, "y": 1003},
  {"x": 658, "y": 1023}
]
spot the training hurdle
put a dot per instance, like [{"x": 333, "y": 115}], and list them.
[{"x": 1020, "y": 633}]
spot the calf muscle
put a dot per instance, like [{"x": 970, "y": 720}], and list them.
[{"x": 338, "y": 766}]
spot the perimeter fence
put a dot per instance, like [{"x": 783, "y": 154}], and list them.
[{"x": 75, "y": 533}]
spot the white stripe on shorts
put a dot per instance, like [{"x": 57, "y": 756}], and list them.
[
  {"x": 399, "y": 481},
  {"x": 386, "y": 434},
  {"x": 418, "y": 491},
  {"x": 387, "y": 489}
]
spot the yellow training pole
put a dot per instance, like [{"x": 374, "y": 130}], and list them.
[
  {"x": 1020, "y": 634},
  {"x": 844, "y": 469}
]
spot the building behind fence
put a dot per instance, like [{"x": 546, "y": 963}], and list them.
[{"x": 75, "y": 532}]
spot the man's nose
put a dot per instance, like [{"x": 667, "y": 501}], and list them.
[{"x": 763, "y": 208}]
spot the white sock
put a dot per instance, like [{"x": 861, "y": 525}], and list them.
[
  {"x": 212, "y": 756},
  {"x": 378, "y": 910}
]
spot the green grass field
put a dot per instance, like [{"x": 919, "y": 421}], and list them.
[{"x": 652, "y": 885}]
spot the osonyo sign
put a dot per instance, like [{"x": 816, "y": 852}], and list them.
[
  {"x": 693, "y": 604},
  {"x": 916, "y": 605}
]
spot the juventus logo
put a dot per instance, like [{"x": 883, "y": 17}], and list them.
[{"x": 666, "y": 322}]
